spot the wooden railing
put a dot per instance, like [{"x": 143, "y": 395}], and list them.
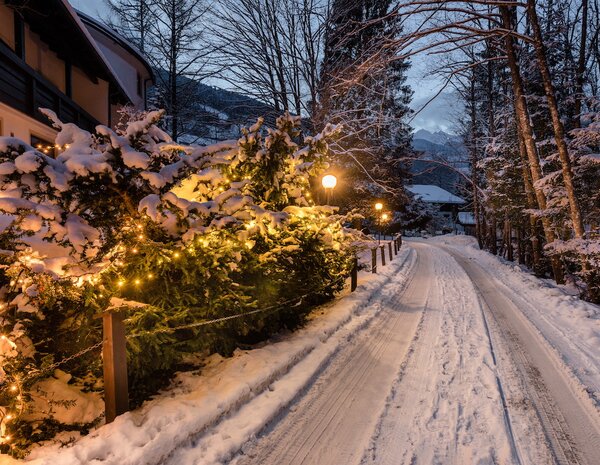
[{"x": 26, "y": 90}]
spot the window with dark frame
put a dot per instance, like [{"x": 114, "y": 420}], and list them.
[{"x": 43, "y": 145}]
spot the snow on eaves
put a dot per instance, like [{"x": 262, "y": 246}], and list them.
[{"x": 434, "y": 194}]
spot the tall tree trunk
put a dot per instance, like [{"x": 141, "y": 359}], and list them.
[
  {"x": 524, "y": 123},
  {"x": 520, "y": 248},
  {"x": 493, "y": 236},
  {"x": 557, "y": 125},
  {"x": 474, "y": 168},
  {"x": 173, "y": 73},
  {"x": 532, "y": 205},
  {"x": 509, "y": 245},
  {"x": 581, "y": 63}
]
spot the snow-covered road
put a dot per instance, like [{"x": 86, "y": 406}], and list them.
[
  {"x": 451, "y": 372},
  {"x": 447, "y": 356}
]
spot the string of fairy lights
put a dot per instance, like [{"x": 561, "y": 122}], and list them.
[
  {"x": 16, "y": 386},
  {"x": 50, "y": 148}
]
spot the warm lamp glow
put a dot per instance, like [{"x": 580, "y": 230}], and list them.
[
  {"x": 378, "y": 206},
  {"x": 329, "y": 181},
  {"x": 385, "y": 217}
]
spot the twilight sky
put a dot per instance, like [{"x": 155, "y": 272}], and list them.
[{"x": 438, "y": 115}]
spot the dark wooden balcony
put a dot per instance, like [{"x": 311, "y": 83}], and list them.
[{"x": 26, "y": 90}]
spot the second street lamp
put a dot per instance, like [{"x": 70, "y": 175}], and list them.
[
  {"x": 329, "y": 181},
  {"x": 384, "y": 218}
]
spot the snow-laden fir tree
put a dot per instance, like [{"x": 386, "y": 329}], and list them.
[{"x": 175, "y": 234}]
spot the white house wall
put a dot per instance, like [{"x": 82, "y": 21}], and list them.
[
  {"x": 13, "y": 123},
  {"x": 125, "y": 65}
]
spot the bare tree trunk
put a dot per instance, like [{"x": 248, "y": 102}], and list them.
[
  {"x": 509, "y": 245},
  {"x": 474, "y": 169},
  {"x": 531, "y": 204},
  {"x": 581, "y": 63},
  {"x": 520, "y": 248},
  {"x": 493, "y": 236},
  {"x": 526, "y": 130},
  {"x": 173, "y": 74},
  {"x": 557, "y": 125}
]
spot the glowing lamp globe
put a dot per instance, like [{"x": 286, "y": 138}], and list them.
[
  {"x": 385, "y": 217},
  {"x": 378, "y": 206},
  {"x": 329, "y": 181}
]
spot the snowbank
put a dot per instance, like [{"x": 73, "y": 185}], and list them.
[{"x": 197, "y": 401}]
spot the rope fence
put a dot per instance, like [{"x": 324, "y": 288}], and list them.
[{"x": 114, "y": 340}]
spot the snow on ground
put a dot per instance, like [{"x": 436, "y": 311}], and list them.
[
  {"x": 570, "y": 325},
  {"x": 196, "y": 401},
  {"x": 446, "y": 406}
]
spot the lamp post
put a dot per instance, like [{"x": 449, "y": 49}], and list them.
[
  {"x": 378, "y": 208},
  {"x": 329, "y": 181},
  {"x": 384, "y": 218}
]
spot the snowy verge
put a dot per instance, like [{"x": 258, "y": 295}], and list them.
[
  {"x": 197, "y": 401},
  {"x": 568, "y": 324}
]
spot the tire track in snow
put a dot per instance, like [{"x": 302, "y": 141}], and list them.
[
  {"x": 445, "y": 407},
  {"x": 333, "y": 422},
  {"x": 570, "y": 423}
]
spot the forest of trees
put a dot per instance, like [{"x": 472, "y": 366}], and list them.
[{"x": 527, "y": 74}]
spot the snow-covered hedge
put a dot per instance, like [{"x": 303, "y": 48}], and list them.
[{"x": 187, "y": 233}]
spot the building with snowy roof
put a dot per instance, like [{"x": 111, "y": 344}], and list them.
[
  {"x": 467, "y": 221},
  {"x": 51, "y": 57},
  {"x": 434, "y": 194},
  {"x": 443, "y": 206}
]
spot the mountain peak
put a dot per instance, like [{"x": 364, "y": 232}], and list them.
[{"x": 439, "y": 137}]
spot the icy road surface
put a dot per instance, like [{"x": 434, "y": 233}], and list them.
[{"x": 449, "y": 372}]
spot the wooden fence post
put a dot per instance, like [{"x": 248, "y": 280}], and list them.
[
  {"x": 373, "y": 260},
  {"x": 114, "y": 353},
  {"x": 390, "y": 249},
  {"x": 354, "y": 275},
  {"x": 395, "y": 246},
  {"x": 383, "y": 255}
]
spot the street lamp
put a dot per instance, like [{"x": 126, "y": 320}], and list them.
[
  {"x": 378, "y": 208},
  {"x": 329, "y": 181}
]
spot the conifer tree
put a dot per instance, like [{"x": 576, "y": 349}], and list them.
[{"x": 364, "y": 88}]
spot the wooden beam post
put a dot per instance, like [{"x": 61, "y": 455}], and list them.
[
  {"x": 383, "y": 255},
  {"x": 390, "y": 249},
  {"x": 373, "y": 260},
  {"x": 114, "y": 352},
  {"x": 354, "y": 275}
]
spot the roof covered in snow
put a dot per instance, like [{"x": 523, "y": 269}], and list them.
[
  {"x": 434, "y": 194},
  {"x": 466, "y": 218}
]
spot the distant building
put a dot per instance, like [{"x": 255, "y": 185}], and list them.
[
  {"x": 52, "y": 58},
  {"x": 466, "y": 220},
  {"x": 443, "y": 206}
]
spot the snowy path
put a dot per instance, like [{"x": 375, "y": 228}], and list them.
[
  {"x": 472, "y": 382},
  {"x": 339, "y": 413}
]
